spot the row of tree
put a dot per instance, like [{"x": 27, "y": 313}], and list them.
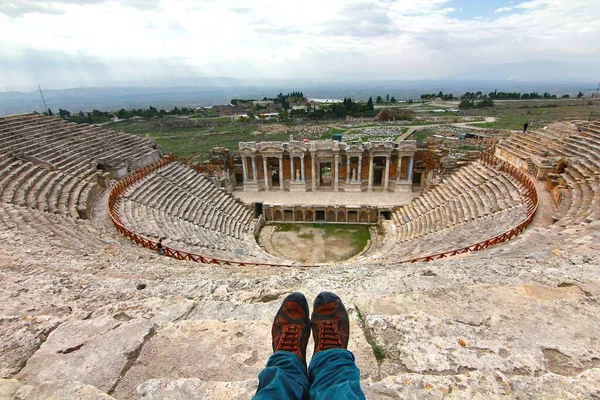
[
  {"x": 495, "y": 95},
  {"x": 471, "y": 103},
  {"x": 440, "y": 95},
  {"x": 336, "y": 110},
  {"x": 97, "y": 116},
  {"x": 388, "y": 99}
]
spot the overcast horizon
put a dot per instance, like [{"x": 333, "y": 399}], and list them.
[{"x": 94, "y": 43}]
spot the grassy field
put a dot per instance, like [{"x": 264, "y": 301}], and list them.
[
  {"x": 512, "y": 115},
  {"x": 195, "y": 142},
  {"x": 335, "y": 130},
  {"x": 356, "y": 234},
  {"x": 421, "y": 134},
  {"x": 339, "y": 241}
]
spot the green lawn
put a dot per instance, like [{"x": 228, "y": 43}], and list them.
[
  {"x": 421, "y": 134},
  {"x": 196, "y": 142},
  {"x": 512, "y": 115},
  {"x": 334, "y": 130},
  {"x": 357, "y": 234}
]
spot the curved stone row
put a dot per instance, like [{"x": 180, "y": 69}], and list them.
[
  {"x": 190, "y": 213},
  {"x": 52, "y": 165},
  {"x": 579, "y": 150},
  {"x": 474, "y": 204}
]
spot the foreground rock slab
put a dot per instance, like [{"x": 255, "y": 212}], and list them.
[
  {"x": 95, "y": 352},
  {"x": 208, "y": 350},
  {"x": 20, "y": 337},
  {"x": 195, "y": 389}
]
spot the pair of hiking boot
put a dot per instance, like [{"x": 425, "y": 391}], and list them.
[{"x": 329, "y": 324}]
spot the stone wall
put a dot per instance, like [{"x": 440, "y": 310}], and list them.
[{"x": 329, "y": 214}]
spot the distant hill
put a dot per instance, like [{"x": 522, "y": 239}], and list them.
[
  {"x": 221, "y": 92},
  {"x": 538, "y": 71}
]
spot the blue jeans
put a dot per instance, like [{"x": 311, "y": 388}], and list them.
[{"x": 332, "y": 374}]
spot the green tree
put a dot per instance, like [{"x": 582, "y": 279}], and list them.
[
  {"x": 379, "y": 100},
  {"x": 64, "y": 114},
  {"x": 387, "y": 98},
  {"x": 370, "y": 104},
  {"x": 50, "y": 112},
  {"x": 393, "y": 99},
  {"x": 580, "y": 95}
]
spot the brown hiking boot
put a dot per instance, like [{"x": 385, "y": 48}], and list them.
[
  {"x": 330, "y": 323},
  {"x": 291, "y": 330}
]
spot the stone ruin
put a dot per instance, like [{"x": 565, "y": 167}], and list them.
[{"x": 88, "y": 313}]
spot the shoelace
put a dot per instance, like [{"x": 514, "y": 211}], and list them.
[
  {"x": 289, "y": 339},
  {"x": 329, "y": 337}
]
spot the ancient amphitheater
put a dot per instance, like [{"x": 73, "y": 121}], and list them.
[{"x": 485, "y": 286}]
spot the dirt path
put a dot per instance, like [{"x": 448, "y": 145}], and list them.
[
  {"x": 412, "y": 128},
  {"x": 318, "y": 249},
  {"x": 546, "y": 207}
]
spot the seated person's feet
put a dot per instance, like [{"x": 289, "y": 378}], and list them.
[
  {"x": 330, "y": 323},
  {"x": 291, "y": 330}
]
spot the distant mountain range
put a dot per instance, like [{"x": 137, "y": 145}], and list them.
[
  {"x": 221, "y": 90},
  {"x": 538, "y": 71}
]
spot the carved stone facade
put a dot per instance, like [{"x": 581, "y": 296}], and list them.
[
  {"x": 328, "y": 165},
  {"x": 339, "y": 214}
]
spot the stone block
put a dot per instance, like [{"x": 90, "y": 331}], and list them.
[
  {"x": 20, "y": 337},
  {"x": 208, "y": 350},
  {"x": 93, "y": 352},
  {"x": 65, "y": 389},
  {"x": 524, "y": 330},
  {"x": 195, "y": 389}
]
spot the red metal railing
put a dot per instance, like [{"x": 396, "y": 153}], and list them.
[
  {"x": 531, "y": 202},
  {"x": 113, "y": 207},
  {"x": 530, "y": 195}
]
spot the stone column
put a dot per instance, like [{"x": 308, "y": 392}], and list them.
[
  {"x": 336, "y": 182},
  {"x": 399, "y": 168},
  {"x": 292, "y": 172},
  {"x": 266, "y": 170},
  {"x": 281, "y": 187},
  {"x": 347, "y": 169},
  {"x": 314, "y": 171},
  {"x": 386, "y": 177},
  {"x": 254, "y": 169},
  {"x": 359, "y": 175},
  {"x": 410, "y": 169},
  {"x": 370, "y": 187},
  {"x": 244, "y": 168},
  {"x": 302, "y": 168}
]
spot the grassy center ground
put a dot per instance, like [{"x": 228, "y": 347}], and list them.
[{"x": 315, "y": 243}]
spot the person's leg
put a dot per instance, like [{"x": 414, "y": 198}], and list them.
[
  {"x": 285, "y": 374},
  {"x": 333, "y": 374},
  {"x": 283, "y": 378}
]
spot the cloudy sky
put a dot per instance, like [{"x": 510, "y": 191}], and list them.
[{"x": 73, "y": 43}]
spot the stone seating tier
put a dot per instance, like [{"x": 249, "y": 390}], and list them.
[
  {"x": 191, "y": 213},
  {"x": 47, "y": 136},
  {"x": 469, "y": 195},
  {"x": 582, "y": 152},
  {"x": 71, "y": 149}
]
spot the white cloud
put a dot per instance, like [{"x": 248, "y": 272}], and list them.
[{"x": 94, "y": 42}]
